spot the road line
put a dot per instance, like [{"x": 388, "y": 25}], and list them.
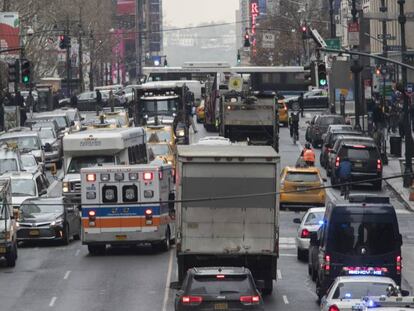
[
  {"x": 168, "y": 281},
  {"x": 66, "y": 275},
  {"x": 52, "y": 301},
  {"x": 77, "y": 252},
  {"x": 285, "y": 300},
  {"x": 287, "y": 255},
  {"x": 279, "y": 274}
]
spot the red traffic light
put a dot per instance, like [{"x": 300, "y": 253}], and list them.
[{"x": 304, "y": 29}]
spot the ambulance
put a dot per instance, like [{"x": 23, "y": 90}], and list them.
[{"x": 127, "y": 205}]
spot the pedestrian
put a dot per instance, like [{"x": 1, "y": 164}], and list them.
[
  {"x": 301, "y": 104},
  {"x": 111, "y": 101},
  {"x": 188, "y": 108},
  {"x": 30, "y": 102},
  {"x": 98, "y": 104},
  {"x": 344, "y": 174},
  {"x": 74, "y": 100},
  {"x": 19, "y": 101},
  {"x": 309, "y": 157},
  {"x": 378, "y": 116}
]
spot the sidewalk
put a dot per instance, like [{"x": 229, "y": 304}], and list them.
[{"x": 392, "y": 169}]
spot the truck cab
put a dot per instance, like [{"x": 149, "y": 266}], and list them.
[{"x": 8, "y": 225}]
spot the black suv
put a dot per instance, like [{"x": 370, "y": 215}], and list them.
[
  {"x": 366, "y": 163},
  {"x": 359, "y": 237},
  {"x": 319, "y": 126},
  {"x": 218, "y": 288}
]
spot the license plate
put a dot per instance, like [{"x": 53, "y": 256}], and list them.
[
  {"x": 359, "y": 165},
  {"x": 2, "y": 250},
  {"x": 121, "y": 237},
  {"x": 34, "y": 232},
  {"x": 221, "y": 306}
]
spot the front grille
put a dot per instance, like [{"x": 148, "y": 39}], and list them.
[
  {"x": 43, "y": 233},
  {"x": 75, "y": 186},
  {"x": 35, "y": 225}
]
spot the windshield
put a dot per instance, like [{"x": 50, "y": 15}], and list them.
[
  {"x": 8, "y": 165},
  {"x": 209, "y": 285},
  {"x": 46, "y": 134},
  {"x": 359, "y": 153},
  {"x": 159, "y": 149},
  {"x": 358, "y": 290},
  {"x": 159, "y": 136},
  {"x": 28, "y": 160},
  {"x": 331, "y": 120},
  {"x": 302, "y": 177},
  {"x": 76, "y": 164},
  {"x": 60, "y": 120},
  {"x": 30, "y": 209},
  {"x": 314, "y": 218},
  {"x": 23, "y": 187},
  {"x": 28, "y": 143},
  {"x": 159, "y": 106},
  {"x": 352, "y": 234}
]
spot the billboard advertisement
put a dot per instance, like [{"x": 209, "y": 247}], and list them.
[{"x": 9, "y": 31}]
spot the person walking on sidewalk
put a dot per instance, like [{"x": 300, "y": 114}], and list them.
[{"x": 98, "y": 104}]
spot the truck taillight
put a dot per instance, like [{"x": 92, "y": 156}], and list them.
[
  {"x": 327, "y": 263},
  {"x": 191, "y": 300},
  {"x": 398, "y": 264},
  {"x": 250, "y": 300},
  {"x": 148, "y": 176},
  {"x": 379, "y": 165},
  {"x": 337, "y": 160},
  {"x": 92, "y": 218}
]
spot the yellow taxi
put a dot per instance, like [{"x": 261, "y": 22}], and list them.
[
  {"x": 283, "y": 112},
  {"x": 121, "y": 116},
  {"x": 200, "y": 112},
  {"x": 296, "y": 185}
]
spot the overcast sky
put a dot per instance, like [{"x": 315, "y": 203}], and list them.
[{"x": 184, "y": 12}]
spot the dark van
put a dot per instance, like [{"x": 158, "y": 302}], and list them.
[{"x": 359, "y": 237}]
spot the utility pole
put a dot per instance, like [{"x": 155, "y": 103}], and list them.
[
  {"x": 332, "y": 21},
  {"x": 68, "y": 60},
  {"x": 384, "y": 9},
  {"x": 92, "y": 63},
  {"x": 80, "y": 51},
  {"x": 356, "y": 69},
  {"x": 403, "y": 89},
  {"x": 138, "y": 40}
]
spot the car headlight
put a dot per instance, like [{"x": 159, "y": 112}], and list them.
[
  {"x": 57, "y": 222},
  {"x": 170, "y": 162},
  {"x": 180, "y": 133},
  {"x": 55, "y": 147},
  {"x": 65, "y": 186}
]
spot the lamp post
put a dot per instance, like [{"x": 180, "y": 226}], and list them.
[{"x": 402, "y": 87}]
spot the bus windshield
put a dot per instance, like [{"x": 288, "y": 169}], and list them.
[{"x": 159, "y": 107}]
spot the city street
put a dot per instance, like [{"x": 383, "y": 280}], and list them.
[{"x": 50, "y": 276}]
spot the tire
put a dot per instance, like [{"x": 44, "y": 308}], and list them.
[
  {"x": 96, "y": 249},
  {"x": 301, "y": 254},
  {"x": 165, "y": 244},
  {"x": 76, "y": 237},
  {"x": 66, "y": 237},
  {"x": 11, "y": 257},
  {"x": 309, "y": 270},
  {"x": 318, "y": 290},
  {"x": 377, "y": 185},
  {"x": 268, "y": 289}
]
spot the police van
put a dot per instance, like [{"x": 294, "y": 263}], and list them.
[
  {"x": 127, "y": 205},
  {"x": 100, "y": 147}
]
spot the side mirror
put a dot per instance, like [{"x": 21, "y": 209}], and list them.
[
  {"x": 179, "y": 293},
  {"x": 82, "y": 119},
  {"x": 296, "y": 220},
  {"x": 47, "y": 147},
  {"x": 43, "y": 192},
  {"x": 314, "y": 239},
  {"x": 72, "y": 123},
  {"x": 405, "y": 293}
]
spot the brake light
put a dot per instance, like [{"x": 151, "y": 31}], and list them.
[
  {"x": 92, "y": 214},
  {"x": 148, "y": 176},
  {"x": 90, "y": 177},
  {"x": 250, "y": 300},
  {"x": 220, "y": 276},
  {"x": 148, "y": 216},
  {"x": 148, "y": 212},
  {"x": 379, "y": 165},
  {"x": 305, "y": 233},
  {"x": 359, "y": 146},
  {"x": 327, "y": 263},
  {"x": 333, "y": 308},
  {"x": 193, "y": 300},
  {"x": 398, "y": 264},
  {"x": 92, "y": 218},
  {"x": 337, "y": 160}
]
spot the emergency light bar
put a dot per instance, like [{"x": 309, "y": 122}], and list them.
[
  {"x": 365, "y": 270},
  {"x": 369, "y": 303}
]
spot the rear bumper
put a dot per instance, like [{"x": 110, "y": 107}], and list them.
[
  {"x": 123, "y": 238},
  {"x": 51, "y": 233},
  {"x": 308, "y": 200},
  {"x": 361, "y": 176},
  {"x": 302, "y": 244}
]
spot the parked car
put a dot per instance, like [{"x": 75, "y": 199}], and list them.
[
  {"x": 49, "y": 219},
  {"x": 313, "y": 99},
  {"x": 215, "y": 288},
  {"x": 319, "y": 126},
  {"x": 309, "y": 223},
  {"x": 366, "y": 163},
  {"x": 302, "y": 180}
]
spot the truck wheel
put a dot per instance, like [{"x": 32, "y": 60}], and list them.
[
  {"x": 268, "y": 289},
  {"x": 11, "y": 256},
  {"x": 96, "y": 249},
  {"x": 164, "y": 246}
]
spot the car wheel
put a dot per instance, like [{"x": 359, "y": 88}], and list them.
[
  {"x": 66, "y": 237},
  {"x": 96, "y": 249},
  {"x": 165, "y": 245},
  {"x": 301, "y": 254},
  {"x": 313, "y": 274},
  {"x": 378, "y": 185},
  {"x": 76, "y": 237},
  {"x": 309, "y": 269},
  {"x": 11, "y": 256}
]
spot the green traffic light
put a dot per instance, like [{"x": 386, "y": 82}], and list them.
[
  {"x": 26, "y": 79},
  {"x": 322, "y": 82}
]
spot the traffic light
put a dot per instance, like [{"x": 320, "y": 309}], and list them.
[
  {"x": 64, "y": 42},
  {"x": 25, "y": 68},
  {"x": 14, "y": 71},
  {"x": 246, "y": 40},
  {"x": 322, "y": 78},
  {"x": 378, "y": 71},
  {"x": 310, "y": 78},
  {"x": 238, "y": 58},
  {"x": 304, "y": 30}
]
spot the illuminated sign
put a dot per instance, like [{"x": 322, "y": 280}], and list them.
[{"x": 254, "y": 13}]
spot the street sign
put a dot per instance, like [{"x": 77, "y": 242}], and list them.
[
  {"x": 333, "y": 43},
  {"x": 393, "y": 47},
  {"x": 388, "y": 36},
  {"x": 268, "y": 41},
  {"x": 353, "y": 33}
]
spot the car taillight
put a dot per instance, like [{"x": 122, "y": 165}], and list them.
[
  {"x": 250, "y": 300},
  {"x": 398, "y": 264},
  {"x": 191, "y": 300},
  {"x": 333, "y": 308},
  {"x": 337, "y": 160},
  {"x": 379, "y": 165},
  {"x": 305, "y": 233},
  {"x": 327, "y": 263}
]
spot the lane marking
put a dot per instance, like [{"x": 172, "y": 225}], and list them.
[
  {"x": 279, "y": 274},
  {"x": 77, "y": 252},
  {"x": 168, "y": 281},
  {"x": 287, "y": 255},
  {"x": 285, "y": 300},
  {"x": 52, "y": 301},
  {"x": 67, "y": 275}
]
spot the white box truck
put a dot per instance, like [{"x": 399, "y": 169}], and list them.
[{"x": 240, "y": 230}]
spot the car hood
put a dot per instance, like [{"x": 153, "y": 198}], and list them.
[
  {"x": 48, "y": 141},
  {"x": 20, "y": 200},
  {"x": 72, "y": 177},
  {"x": 43, "y": 217}
]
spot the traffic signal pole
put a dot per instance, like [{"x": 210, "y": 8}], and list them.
[{"x": 68, "y": 62}]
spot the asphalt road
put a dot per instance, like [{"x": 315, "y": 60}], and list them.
[{"x": 53, "y": 277}]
